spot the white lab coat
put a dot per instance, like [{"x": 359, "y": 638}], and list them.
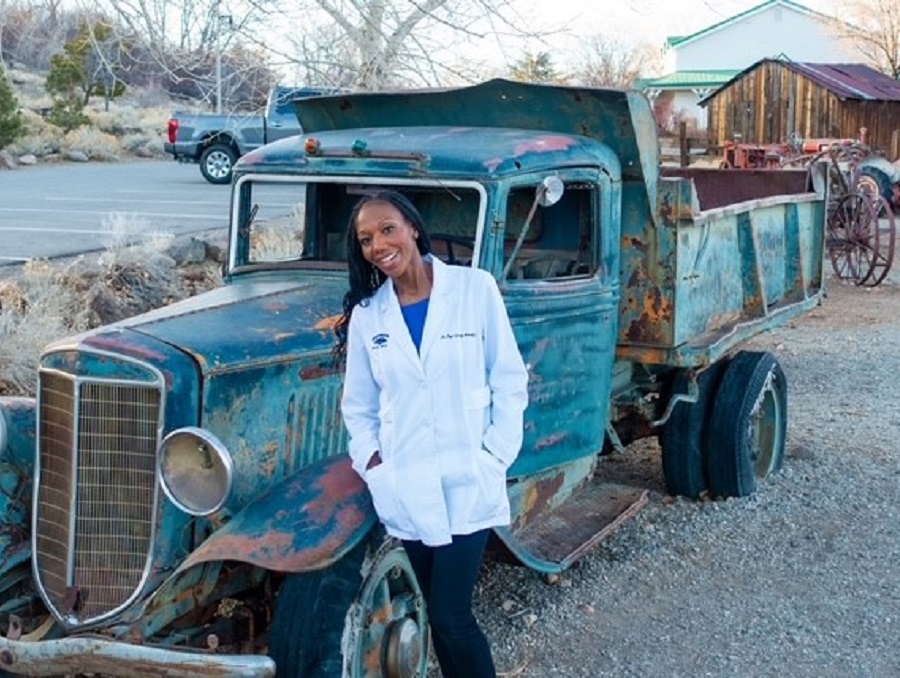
[{"x": 447, "y": 421}]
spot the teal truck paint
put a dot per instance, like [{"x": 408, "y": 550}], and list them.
[{"x": 178, "y": 499}]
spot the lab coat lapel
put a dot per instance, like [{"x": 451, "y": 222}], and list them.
[
  {"x": 438, "y": 307},
  {"x": 393, "y": 320}
]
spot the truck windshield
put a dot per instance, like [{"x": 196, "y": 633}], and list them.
[{"x": 305, "y": 222}]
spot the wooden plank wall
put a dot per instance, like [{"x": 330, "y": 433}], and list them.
[{"x": 770, "y": 102}]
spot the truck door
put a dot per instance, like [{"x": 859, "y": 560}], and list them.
[{"x": 562, "y": 294}]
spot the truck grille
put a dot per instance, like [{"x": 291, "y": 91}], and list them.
[{"x": 97, "y": 454}]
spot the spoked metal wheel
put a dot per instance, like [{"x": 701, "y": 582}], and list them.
[
  {"x": 853, "y": 239},
  {"x": 887, "y": 231},
  {"x": 362, "y": 617},
  {"x": 388, "y": 627}
]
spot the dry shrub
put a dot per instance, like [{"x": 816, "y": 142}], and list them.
[
  {"x": 93, "y": 143},
  {"x": 40, "y": 139},
  {"x": 143, "y": 144},
  {"x": 33, "y": 312},
  {"x": 50, "y": 301}
]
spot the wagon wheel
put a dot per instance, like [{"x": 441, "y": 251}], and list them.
[
  {"x": 853, "y": 238},
  {"x": 885, "y": 242}
]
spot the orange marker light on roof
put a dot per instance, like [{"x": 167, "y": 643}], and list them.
[
  {"x": 359, "y": 147},
  {"x": 311, "y": 146}
]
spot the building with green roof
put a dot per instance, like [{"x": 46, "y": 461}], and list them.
[{"x": 700, "y": 63}]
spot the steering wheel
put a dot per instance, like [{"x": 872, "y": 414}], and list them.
[{"x": 449, "y": 241}]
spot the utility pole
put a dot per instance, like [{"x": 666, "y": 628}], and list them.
[{"x": 219, "y": 19}]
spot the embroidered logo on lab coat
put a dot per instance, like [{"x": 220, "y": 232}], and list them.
[{"x": 379, "y": 341}]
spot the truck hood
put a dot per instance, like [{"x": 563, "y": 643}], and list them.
[{"x": 248, "y": 322}]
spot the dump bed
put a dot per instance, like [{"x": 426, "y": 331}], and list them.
[
  {"x": 708, "y": 258},
  {"x": 726, "y": 255}
]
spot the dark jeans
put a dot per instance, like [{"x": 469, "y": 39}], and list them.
[{"x": 447, "y": 575}]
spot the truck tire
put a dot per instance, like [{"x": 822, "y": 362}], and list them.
[
  {"x": 877, "y": 181},
  {"x": 747, "y": 430},
  {"x": 380, "y": 619},
  {"x": 683, "y": 438},
  {"x": 216, "y": 163}
]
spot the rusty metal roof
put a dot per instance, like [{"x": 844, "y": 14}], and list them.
[
  {"x": 847, "y": 81},
  {"x": 850, "y": 81}
]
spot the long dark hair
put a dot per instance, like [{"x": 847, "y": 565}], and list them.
[{"x": 365, "y": 278}]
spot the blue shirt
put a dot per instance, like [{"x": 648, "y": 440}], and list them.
[{"x": 414, "y": 317}]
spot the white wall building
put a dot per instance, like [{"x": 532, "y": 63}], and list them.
[{"x": 700, "y": 63}]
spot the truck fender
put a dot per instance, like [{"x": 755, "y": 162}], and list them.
[
  {"x": 305, "y": 523},
  {"x": 17, "y": 450},
  {"x": 220, "y": 137}
]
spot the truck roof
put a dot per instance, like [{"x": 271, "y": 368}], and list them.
[
  {"x": 620, "y": 119},
  {"x": 464, "y": 152}
]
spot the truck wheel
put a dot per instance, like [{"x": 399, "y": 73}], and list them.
[
  {"x": 875, "y": 181},
  {"x": 216, "y": 163},
  {"x": 683, "y": 438},
  {"x": 747, "y": 431},
  {"x": 379, "y": 617}
]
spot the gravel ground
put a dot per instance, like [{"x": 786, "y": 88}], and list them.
[{"x": 800, "y": 578}]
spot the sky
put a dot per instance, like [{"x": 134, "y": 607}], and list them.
[
  {"x": 633, "y": 20},
  {"x": 565, "y": 24},
  {"x": 652, "y": 20}
]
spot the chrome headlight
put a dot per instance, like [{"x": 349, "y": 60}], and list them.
[{"x": 195, "y": 470}]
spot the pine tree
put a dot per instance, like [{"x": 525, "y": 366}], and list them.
[
  {"x": 11, "y": 124},
  {"x": 89, "y": 65}
]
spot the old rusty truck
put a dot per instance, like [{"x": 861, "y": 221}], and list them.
[{"x": 178, "y": 499}]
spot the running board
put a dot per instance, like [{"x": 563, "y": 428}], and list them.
[{"x": 557, "y": 537}]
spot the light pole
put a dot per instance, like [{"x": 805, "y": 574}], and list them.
[{"x": 219, "y": 19}]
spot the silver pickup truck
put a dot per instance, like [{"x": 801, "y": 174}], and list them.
[{"x": 217, "y": 141}]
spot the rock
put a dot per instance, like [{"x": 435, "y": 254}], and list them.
[
  {"x": 216, "y": 253},
  {"x": 7, "y": 161},
  {"x": 188, "y": 250},
  {"x": 28, "y": 159},
  {"x": 77, "y": 156}
]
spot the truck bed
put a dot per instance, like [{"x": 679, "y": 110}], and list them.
[{"x": 726, "y": 255}]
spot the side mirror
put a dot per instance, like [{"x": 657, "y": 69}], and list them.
[{"x": 548, "y": 193}]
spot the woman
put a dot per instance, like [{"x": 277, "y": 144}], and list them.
[{"x": 433, "y": 398}]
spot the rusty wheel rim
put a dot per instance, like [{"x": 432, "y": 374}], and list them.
[
  {"x": 388, "y": 625},
  {"x": 853, "y": 238},
  {"x": 884, "y": 244}
]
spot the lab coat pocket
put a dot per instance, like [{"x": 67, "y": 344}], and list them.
[
  {"x": 478, "y": 416},
  {"x": 383, "y": 489},
  {"x": 491, "y": 474}
]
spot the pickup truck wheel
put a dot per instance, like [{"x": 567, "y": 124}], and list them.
[
  {"x": 216, "y": 163},
  {"x": 747, "y": 431},
  {"x": 683, "y": 438},
  {"x": 335, "y": 622}
]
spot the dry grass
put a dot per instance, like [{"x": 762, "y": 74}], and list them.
[
  {"x": 49, "y": 301},
  {"x": 134, "y": 125},
  {"x": 33, "y": 312}
]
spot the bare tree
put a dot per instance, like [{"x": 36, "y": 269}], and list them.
[
  {"x": 612, "y": 62},
  {"x": 872, "y": 27},
  {"x": 195, "y": 49},
  {"x": 32, "y": 31},
  {"x": 374, "y": 44}
]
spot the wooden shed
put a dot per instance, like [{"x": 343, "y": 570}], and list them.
[{"x": 774, "y": 99}]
